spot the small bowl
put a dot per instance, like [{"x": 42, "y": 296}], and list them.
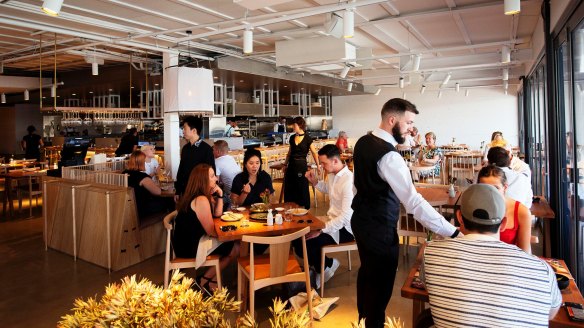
[
  {"x": 563, "y": 281},
  {"x": 241, "y": 209},
  {"x": 279, "y": 209}
]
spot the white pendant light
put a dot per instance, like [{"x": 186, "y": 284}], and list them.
[
  {"x": 505, "y": 85},
  {"x": 52, "y": 7},
  {"x": 247, "y": 41},
  {"x": 439, "y": 94},
  {"x": 422, "y": 89},
  {"x": 345, "y": 71},
  {"x": 416, "y": 63},
  {"x": 26, "y": 95},
  {"x": 505, "y": 74},
  {"x": 348, "y": 23},
  {"x": 457, "y": 87},
  {"x": 401, "y": 82},
  {"x": 53, "y": 91},
  {"x": 378, "y": 91},
  {"x": 350, "y": 86},
  {"x": 512, "y": 7},
  {"x": 3, "y": 98},
  {"x": 446, "y": 79},
  {"x": 505, "y": 54},
  {"x": 404, "y": 95},
  {"x": 467, "y": 93},
  {"x": 94, "y": 69},
  {"x": 1, "y": 67}
]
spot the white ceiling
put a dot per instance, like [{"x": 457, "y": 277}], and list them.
[{"x": 460, "y": 37}]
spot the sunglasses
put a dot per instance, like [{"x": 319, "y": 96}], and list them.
[
  {"x": 226, "y": 228},
  {"x": 302, "y": 221}
]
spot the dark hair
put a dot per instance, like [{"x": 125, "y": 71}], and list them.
[
  {"x": 249, "y": 153},
  {"x": 195, "y": 123},
  {"x": 498, "y": 156},
  {"x": 300, "y": 121},
  {"x": 132, "y": 131},
  {"x": 137, "y": 161},
  {"x": 330, "y": 151},
  {"x": 484, "y": 228},
  {"x": 198, "y": 185},
  {"x": 31, "y": 129},
  {"x": 398, "y": 106},
  {"x": 492, "y": 171},
  {"x": 495, "y": 134}
]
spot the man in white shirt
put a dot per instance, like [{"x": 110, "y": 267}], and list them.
[
  {"x": 227, "y": 169},
  {"x": 383, "y": 181},
  {"x": 230, "y": 129},
  {"x": 337, "y": 229},
  {"x": 519, "y": 184}
]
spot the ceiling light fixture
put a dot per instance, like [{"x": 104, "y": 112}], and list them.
[
  {"x": 512, "y": 7},
  {"x": 416, "y": 63},
  {"x": 1, "y": 67},
  {"x": 422, "y": 89},
  {"x": 404, "y": 95},
  {"x": 349, "y": 23},
  {"x": 26, "y": 95},
  {"x": 350, "y": 86},
  {"x": 344, "y": 72},
  {"x": 94, "y": 69},
  {"x": 505, "y": 54},
  {"x": 457, "y": 87},
  {"x": 439, "y": 94},
  {"x": 378, "y": 91},
  {"x": 247, "y": 41},
  {"x": 402, "y": 82},
  {"x": 53, "y": 91},
  {"x": 446, "y": 79},
  {"x": 467, "y": 93},
  {"x": 505, "y": 74},
  {"x": 505, "y": 85},
  {"x": 3, "y": 98},
  {"x": 52, "y": 7}
]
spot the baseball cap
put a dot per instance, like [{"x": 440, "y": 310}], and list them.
[{"x": 482, "y": 204}]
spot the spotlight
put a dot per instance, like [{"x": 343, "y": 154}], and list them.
[
  {"x": 349, "y": 23},
  {"x": 53, "y": 91},
  {"x": 467, "y": 93},
  {"x": 247, "y": 41},
  {"x": 505, "y": 54},
  {"x": 446, "y": 79},
  {"x": 1, "y": 67},
  {"x": 401, "y": 83},
  {"x": 26, "y": 95},
  {"x": 457, "y": 87},
  {"x": 378, "y": 91},
  {"x": 94, "y": 69},
  {"x": 439, "y": 94},
  {"x": 512, "y": 7},
  {"x": 416, "y": 63},
  {"x": 345, "y": 71},
  {"x": 3, "y": 98},
  {"x": 422, "y": 89},
  {"x": 52, "y": 7},
  {"x": 505, "y": 74},
  {"x": 404, "y": 95},
  {"x": 350, "y": 86},
  {"x": 505, "y": 85}
]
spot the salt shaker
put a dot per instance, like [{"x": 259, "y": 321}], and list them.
[
  {"x": 270, "y": 220},
  {"x": 451, "y": 191},
  {"x": 278, "y": 219}
]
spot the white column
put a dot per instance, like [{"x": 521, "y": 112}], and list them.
[{"x": 171, "y": 120}]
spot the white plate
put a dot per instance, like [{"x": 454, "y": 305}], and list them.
[
  {"x": 298, "y": 211},
  {"x": 231, "y": 217},
  {"x": 279, "y": 209},
  {"x": 241, "y": 209}
]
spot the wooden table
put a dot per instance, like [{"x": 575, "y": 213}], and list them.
[
  {"x": 259, "y": 228},
  {"x": 437, "y": 196},
  {"x": 420, "y": 296},
  {"x": 542, "y": 209},
  {"x": 16, "y": 175}
]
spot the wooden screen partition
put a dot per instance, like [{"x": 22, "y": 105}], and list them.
[
  {"x": 104, "y": 173},
  {"x": 98, "y": 223}
]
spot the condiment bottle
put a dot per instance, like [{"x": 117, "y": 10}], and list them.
[
  {"x": 270, "y": 220},
  {"x": 278, "y": 219}
]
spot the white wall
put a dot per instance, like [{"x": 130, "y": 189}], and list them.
[{"x": 469, "y": 119}]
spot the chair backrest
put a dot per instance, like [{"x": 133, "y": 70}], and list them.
[
  {"x": 279, "y": 250},
  {"x": 168, "y": 222}
]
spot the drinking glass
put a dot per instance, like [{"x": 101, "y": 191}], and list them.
[{"x": 287, "y": 216}]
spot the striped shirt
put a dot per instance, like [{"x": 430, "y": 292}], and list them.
[{"x": 477, "y": 281}]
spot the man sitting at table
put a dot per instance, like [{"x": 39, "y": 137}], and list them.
[
  {"x": 337, "y": 229},
  {"x": 227, "y": 169},
  {"x": 519, "y": 185},
  {"x": 478, "y": 280}
]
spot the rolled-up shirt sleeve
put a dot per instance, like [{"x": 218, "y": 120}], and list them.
[
  {"x": 394, "y": 171},
  {"x": 340, "y": 213}
]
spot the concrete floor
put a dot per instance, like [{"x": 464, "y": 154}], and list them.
[{"x": 38, "y": 286}]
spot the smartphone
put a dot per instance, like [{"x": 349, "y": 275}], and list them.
[{"x": 575, "y": 311}]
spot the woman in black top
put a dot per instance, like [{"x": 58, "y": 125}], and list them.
[
  {"x": 145, "y": 189},
  {"x": 202, "y": 200},
  {"x": 295, "y": 184},
  {"x": 249, "y": 184},
  {"x": 31, "y": 144}
]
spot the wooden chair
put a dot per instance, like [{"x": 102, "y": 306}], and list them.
[
  {"x": 32, "y": 188},
  {"x": 342, "y": 247},
  {"x": 462, "y": 167},
  {"x": 408, "y": 227},
  {"x": 171, "y": 262},
  {"x": 277, "y": 267}
]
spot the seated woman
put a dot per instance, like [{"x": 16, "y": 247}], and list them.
[
  {"x": 517, "y": 230},
  {"x": 496, "y": 141},
  {"x": 145, "y": 189},
  {"x": 194, "y": 231},
  {"x": 342, "y": 141},
  {"x": 430, "y": 155},
  {"x": 151, "y": 162},
  {"x": 249, "y": 184}
]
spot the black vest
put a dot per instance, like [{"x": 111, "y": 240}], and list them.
[{"x": 375, "y": 205}]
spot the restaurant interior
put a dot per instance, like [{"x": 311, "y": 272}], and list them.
[{"x": 84, "y": 73}]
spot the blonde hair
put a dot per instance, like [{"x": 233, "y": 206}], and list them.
[{"x": 147, "y": 147}]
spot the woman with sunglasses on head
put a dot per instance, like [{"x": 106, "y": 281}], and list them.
[
  {"x": 194, "y": 232},
  {"x": 248, "y": 185},
  {"x": 517, "y": 229},
  {"x": 497, "y": 140}
]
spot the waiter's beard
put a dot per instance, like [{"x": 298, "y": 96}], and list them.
[{"x": 395, "y": 131}]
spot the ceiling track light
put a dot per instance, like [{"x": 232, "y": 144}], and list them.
[
  {"x": 350, "y": 86},
  {"x": 1, "y": 67},
  {"x": 505, "y": 54},
  {"x": 416, "y": 63},
  {"x": 247, "y": 41},
  {"x": 505, "y": 74},
  {"x": 404, "y": 95},
  {"x": 512, "y": 7},
  {"x": 345, "y": 71},
  {"x": 467, "y": 93},
  {"x": 52, "y": 7},
  {"x": 439, "y": 94},
  {"x": 349, "y": 23},
  {"x": 3, "y": 98},
  {"x": 422, "y": 89},
  {"x": 446, "y": 79},
  {"x": 53, "y": 91},
  {"x": 457, "y": 87},
  {"x": 505, "y": 85},
  {"x": 402, "y": 83},
  {"x": 378, "y": 91},
  {"x": 94, "y": 69},
  {"x": 26, "y": 95}
]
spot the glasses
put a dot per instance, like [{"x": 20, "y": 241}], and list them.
[
  {"x": 226, "y": 228},
  {"x": 302, "y": 221}
]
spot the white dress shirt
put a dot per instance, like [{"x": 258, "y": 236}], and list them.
[
  {"x": 227, "y": 169},
  {"x": 341, "y": 192},
  {"x": 519, "y": 187},
  {"x": 520, "y": 166},
  {"x": 392, "y": 169},
  {"x": 152, "y": 167}
]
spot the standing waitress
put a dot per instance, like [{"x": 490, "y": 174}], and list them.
[{"x": 295, "y": 184}]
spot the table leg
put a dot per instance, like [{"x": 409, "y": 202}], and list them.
[
  {"x": 417, "y": 308},
  {"x": 8, "y": 191},
  {"x": 547, "y": 251}
]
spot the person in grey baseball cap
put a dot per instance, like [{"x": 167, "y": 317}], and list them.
[{"x": 482, "y": 209}]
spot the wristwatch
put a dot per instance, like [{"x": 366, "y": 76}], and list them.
[{"x": 455, "y": 234}]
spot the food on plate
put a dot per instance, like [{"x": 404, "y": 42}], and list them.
[
  {"x": 258, "y": 216},
  {"x": 298, "y": 211},
  {"x": 259, "y": 207}
]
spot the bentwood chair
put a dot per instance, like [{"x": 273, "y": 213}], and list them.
[
  {"x": 171, "y": 262},
  {"x": 335, "y": 248},
  {"x": 277, "y": 267}
]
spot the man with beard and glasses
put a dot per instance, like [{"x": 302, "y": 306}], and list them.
[{"x": 383, "y": 181}]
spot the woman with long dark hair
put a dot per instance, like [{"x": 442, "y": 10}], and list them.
[
  {"x": 249, "y": 185},
  {"x": 194, "y": 232}
]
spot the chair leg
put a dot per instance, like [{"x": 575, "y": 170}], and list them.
[
  {"x": 251, "y": 298},
  {"x": 218, "y": 270},
  {"x": 165, "y": 277},
  {"x": 239, "y": 282},
  {"x": 349, "y": 259},
  {"x": 322, "y": 256}
]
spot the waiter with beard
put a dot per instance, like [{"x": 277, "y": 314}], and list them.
[{"x": 383, "y": 181}]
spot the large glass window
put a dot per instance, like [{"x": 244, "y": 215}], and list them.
[{"x": 537, "y": 133}]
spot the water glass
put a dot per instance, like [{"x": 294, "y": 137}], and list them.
[
  {"x": 244, "y": 222},
  {"x": 287, "y": 216}
]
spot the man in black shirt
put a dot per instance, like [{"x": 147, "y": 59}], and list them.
[
  {"x": 196, "y": 151},
  {"x": 31, "y": 144},
  {"x": 129, "y": 143}
]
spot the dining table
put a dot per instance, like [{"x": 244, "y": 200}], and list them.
[
  {"x": 419, "y": 295},
  {"x": 17, "y": 175},
  {"x": 540, "y": 208}
]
